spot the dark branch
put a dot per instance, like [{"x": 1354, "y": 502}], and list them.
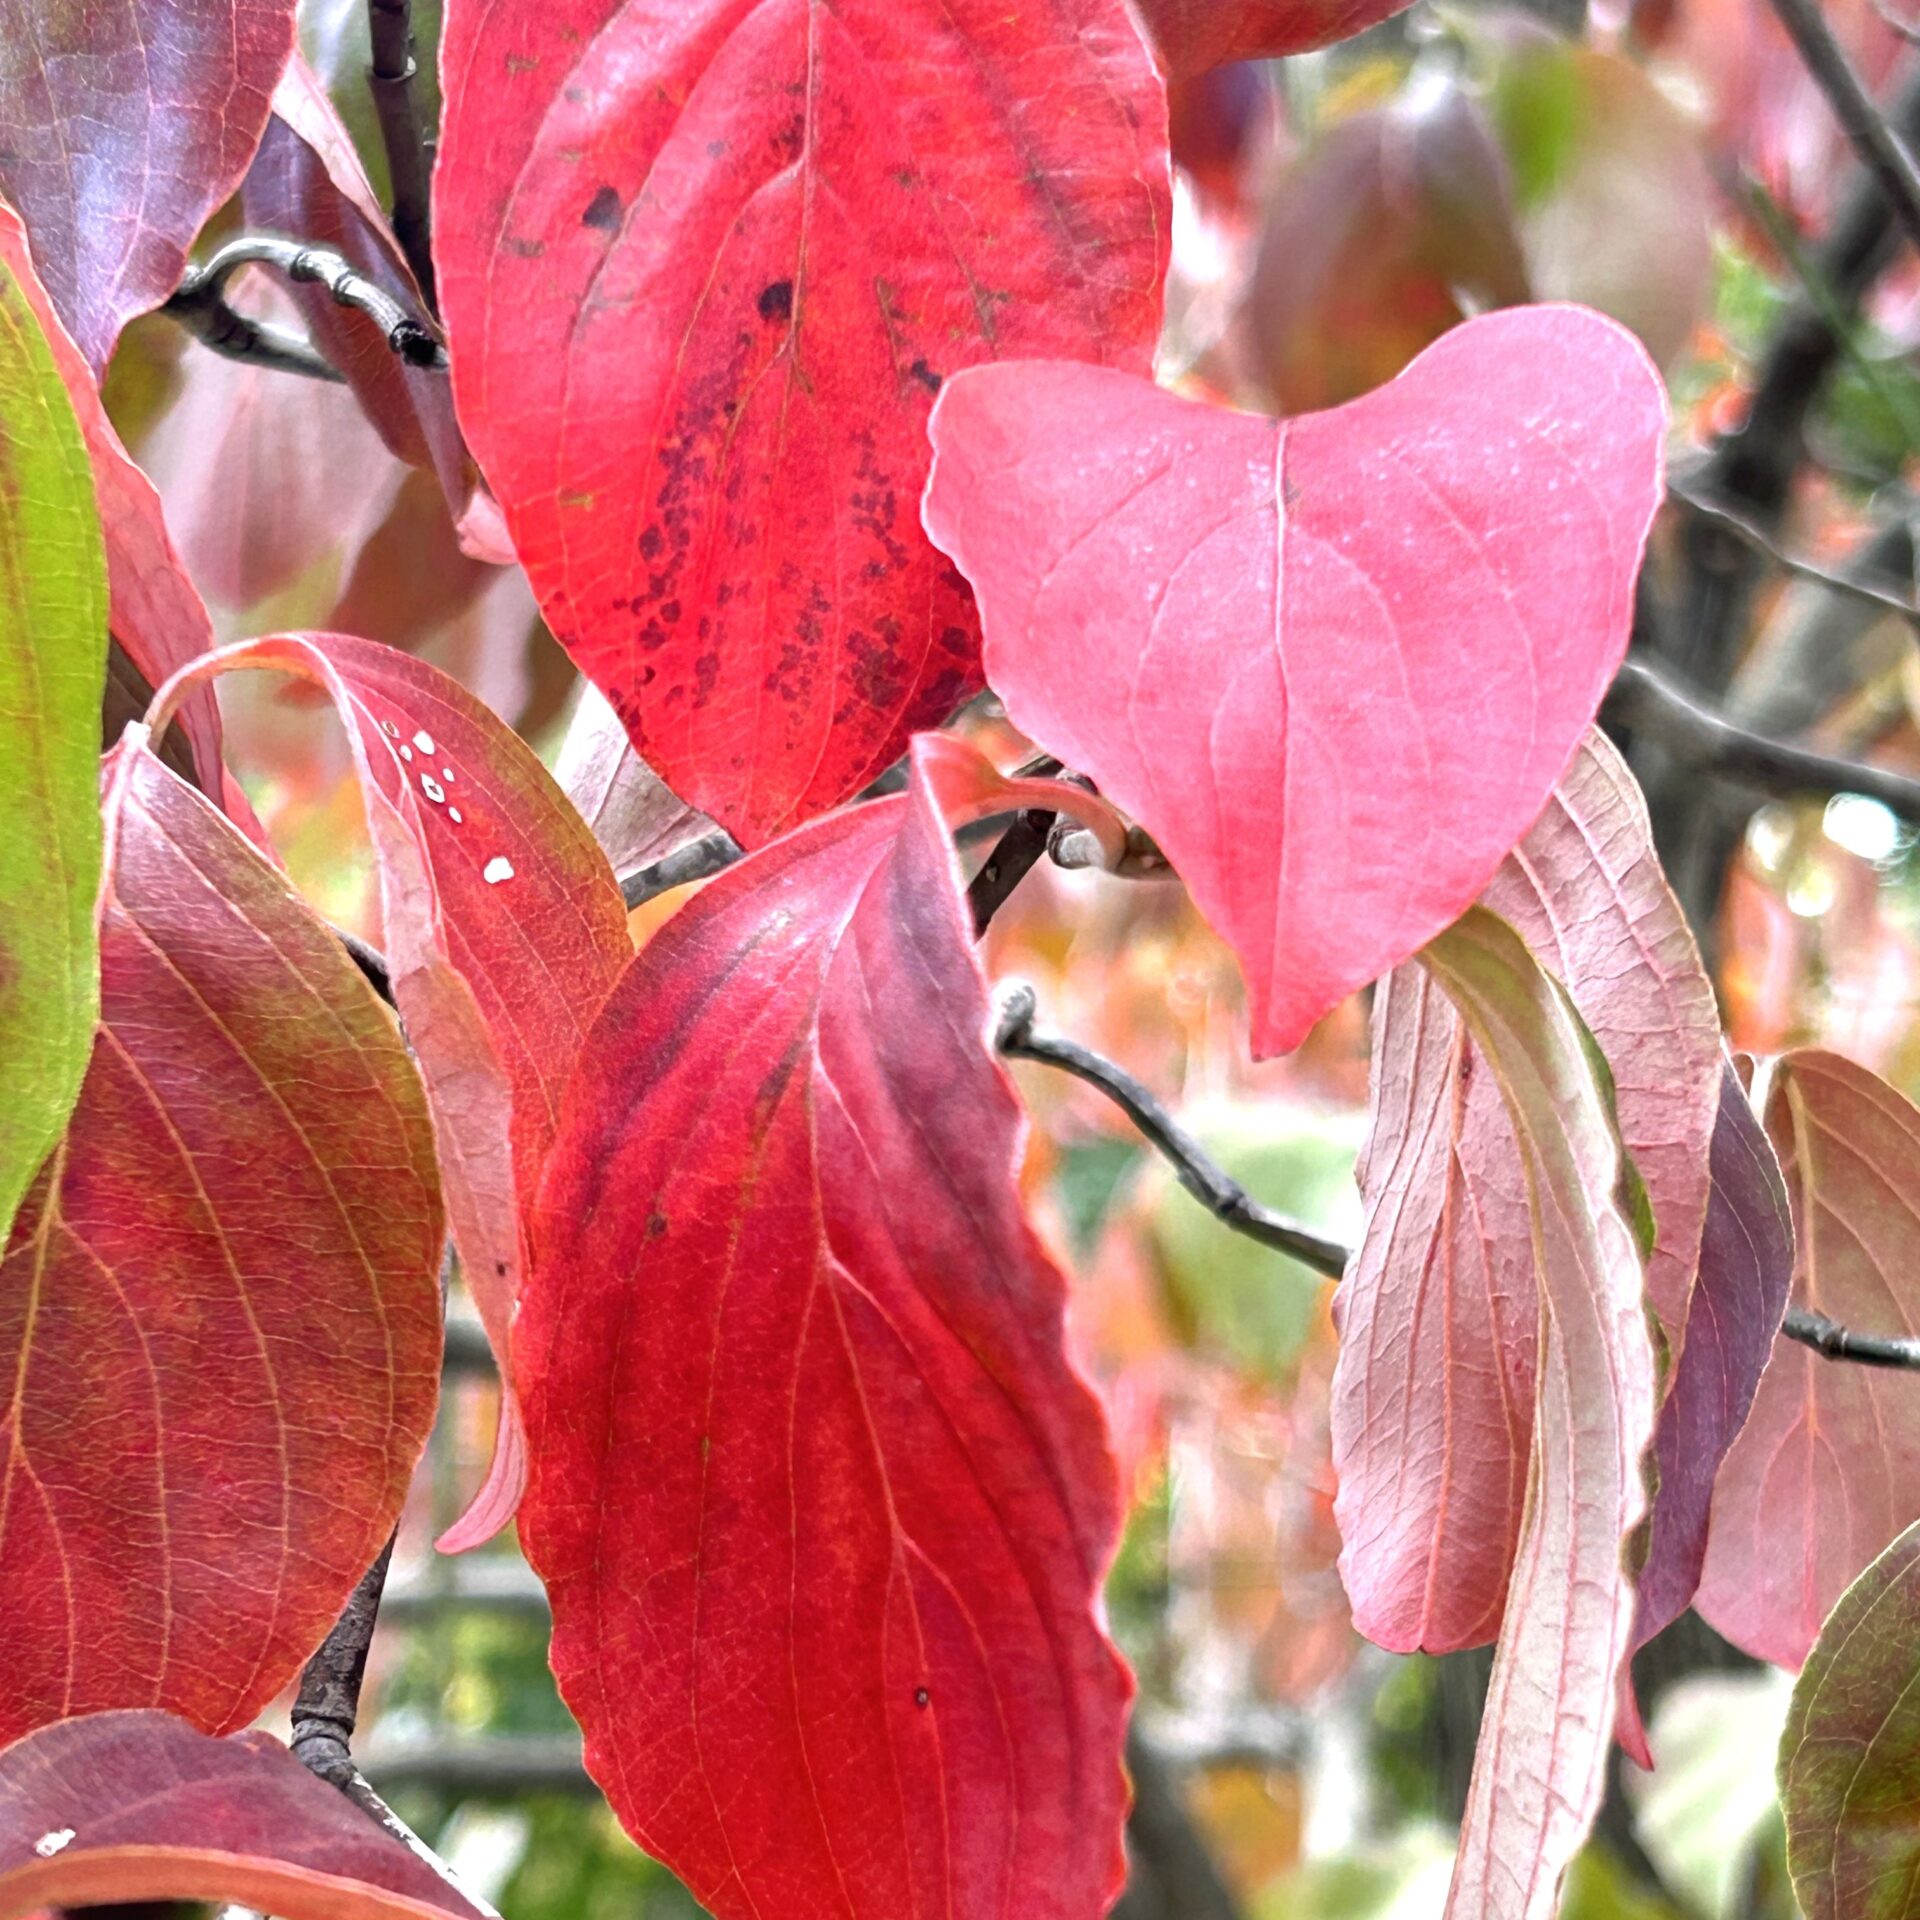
[
  {"x": 403, "y": 133},
  {"x": 1875, "y": 144},
  {"x": 328, "y": 1704},
  {"x": 199, "y": 304},
  {"x": 1645, "y": 699},
  {"x": 370, "y": 960},
  {"x": 1224, "y": 1198},
  {"x": 327, "y": 1709},
  {"x": 1230, "y": 1204},
  {"x": 1835, "y": 1342},
  {"x": 712, "y": 853},
  {"x": 1015, "y": 854},
  {"x": 1758, "y": 542},
  {"x": 234, "y": 336}
]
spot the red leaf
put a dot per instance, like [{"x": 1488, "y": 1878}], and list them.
[
  {"x": 1374, "y": 636},
  {"x": 307, "y": 180},
  {"x": 696, "y": 344},
  {"x": 504, "y": 932},
  {"x": 220, "y": 1306},
  {"x": 1827, "y": 1469},
  {"x": 1433, "y": 1395},
  {"x": 1540, "y": 1766},
  {"x": 138, "y": 1806},
  {"x": 822, "y": 1506},
  {"x": 156, "y": 614},
  {"x": 1189, "y": 36},
  {"x": 123, "y": 124}
]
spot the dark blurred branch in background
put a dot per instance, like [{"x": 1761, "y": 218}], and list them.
[
  {"x": 1702, "y": 741},
  {"x": 1170, "y": 1873},
  {"x": 1875, "y": 144},
  {"x": 1750, "y": 471},
  {"x": 1882, "y": 598},
  {"x": 396, "y": 99}
]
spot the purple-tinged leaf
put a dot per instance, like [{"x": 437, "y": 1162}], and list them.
[
  {"x": 1827, "y": 1469},
  {"x": 123, "y": 125}
]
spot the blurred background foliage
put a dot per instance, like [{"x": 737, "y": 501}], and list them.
[{"x": 1667, "y": 161}]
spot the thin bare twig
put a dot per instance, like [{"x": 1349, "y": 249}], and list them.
[
  {"x": 1015, "y": 854},
  {"x": 200, "y": 305},
  {"x": 403, "y": 134},
  {"x": 1835, "y": 1342},
  {"x": 1875, "y": 144},
  {"x": 1644, "y": 698},
  {"x": 328, "y": 1704},
  {"x": 1223, "y": 1197},
  {"x": 1230, "y": 1204},
  {"x": 712, "y": 853}
]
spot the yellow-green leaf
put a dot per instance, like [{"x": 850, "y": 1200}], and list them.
[{"x": 53, "y": 646}]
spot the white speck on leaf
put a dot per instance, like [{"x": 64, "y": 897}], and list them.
[
  {"x": 446, "y": 774},
  {"x": 497, "y": 869},
  {"x": 454, "y": 814},
  {"x": 389, "y": 729},
  {"x": 423, "y": 740},
  {"x": 50, "y": 1843},
  {"x": 406, "y": 752},
  {"x": 432, "y": 788}
]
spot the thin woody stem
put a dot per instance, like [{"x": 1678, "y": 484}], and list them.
[
  {"x": 1233, "y": 1207},
  {"x": 396, "y": 98},
  {"x": 200, "y": 305}
]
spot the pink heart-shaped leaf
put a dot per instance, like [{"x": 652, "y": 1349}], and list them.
[{"x": 1337, "y": 663}]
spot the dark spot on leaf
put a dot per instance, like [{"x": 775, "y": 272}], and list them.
[
  {"x": 776, "y": 300},
  {"x": 650, "y": 542},
  {"x": 603, "y": 212},
  {"x": 500, "y": 1269},
  {"x": 925, "y": 375},
  {"x": 656, "y": 1225},
  {"x": 922, "y": 1698}
]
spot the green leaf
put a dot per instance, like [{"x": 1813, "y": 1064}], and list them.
[
  {"x": 53, "y": 649},
  {"x": 1850, "y": 1754}
]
